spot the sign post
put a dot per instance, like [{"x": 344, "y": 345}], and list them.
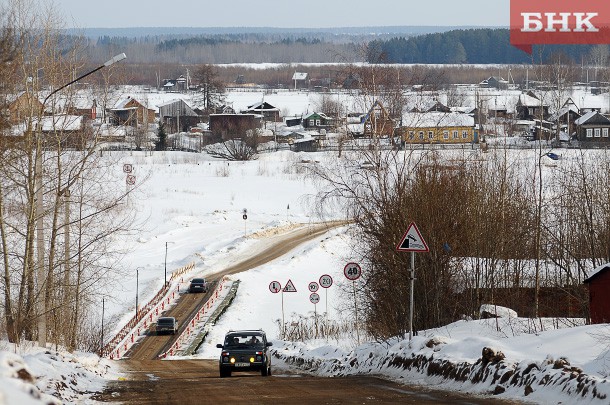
[
  {"x": 289, "y": 287},
  {"x": 353, "y": 271},
  {"x": 412, "y": 242},
  {"x": 245, "y": 217},
  {"x": 314, "y": 298},
  {"x": 325, "y": 282},
  {"x": 275, "y": 287}
]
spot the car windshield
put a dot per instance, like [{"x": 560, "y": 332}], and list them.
[
  {"x": 198, "y": 281},
  {"x": 165, "y": 321},
  {"x": 244, "y": 340}
]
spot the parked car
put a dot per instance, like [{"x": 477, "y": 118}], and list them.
[
  {"x": 198, "y": 285},
  {"x": 553, "y": 156},
  {"x": 245, "y": 350},
  {"x": 166, "y": 324}
]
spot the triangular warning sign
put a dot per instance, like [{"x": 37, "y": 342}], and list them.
[
  {"x": 412, "y": 241},
  {"x": 289, "y": 287}
]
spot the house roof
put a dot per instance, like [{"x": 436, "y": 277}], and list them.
[
  {"x": 321, "y": 115},
  {"x": 61, "y": 123},
  {"x": 530, "y": 100},
  {"x": 262, "y": 106},
  {"x": 436, "y": 119},
  {"x": 592, "y": 117},
  {"x": 597, "y": 272},
  {"x": 299, "y": 76}
]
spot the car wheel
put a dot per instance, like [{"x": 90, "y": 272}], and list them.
[{"x": 266, "y": 371}]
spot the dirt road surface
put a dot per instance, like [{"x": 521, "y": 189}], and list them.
[{"x": 152, "y": 381}]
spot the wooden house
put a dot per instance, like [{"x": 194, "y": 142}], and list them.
[
  {"x": 269, "y": 112},
  {"x": 69, "y": 131},
  {"x": 529, "y": 106},
  {"x": 21, "y": 107},
  {"x": 592, "y": 128},
  {"x": 377, "y": 122},
  {"x": 599, "y": 299},
  {"x": 436, "y": 127},
  {"x": 228, "y": 126},
  {"x": 177, "y": 116},
  {"x": 316, "y": 120},
  {"x": 131, "y": 112},
  {"x": 300, "y": 79}
]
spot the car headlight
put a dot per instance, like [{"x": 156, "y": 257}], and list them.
[
  {"x": 232, "y": 360},
  {"x": 225, "y": 359},
  {"x": 259, "y": 358},
  {"x": 251, "y": 359}
]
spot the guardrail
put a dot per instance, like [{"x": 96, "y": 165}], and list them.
[
  {"x": 220, "y": 309},
  {"x": 126, "y": 337},
  {"x": 210, "y": 307}
]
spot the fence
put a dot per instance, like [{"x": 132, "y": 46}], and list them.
[{"x": 125, "y": 338}]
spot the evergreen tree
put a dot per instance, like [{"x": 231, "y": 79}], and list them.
[{"x": 161, "y": 143}]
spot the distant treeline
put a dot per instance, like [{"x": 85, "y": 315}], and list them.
[
  {"x": 473, "y": 46},
  {"x": 469, "y": 46}
]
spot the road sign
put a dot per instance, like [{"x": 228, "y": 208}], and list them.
[
  {"x": 314, "y": 298},
  {"x": 127, "y": 168},
  {"x": 130, "y": 180},
  {"x": 275, "y": 287},
  {"x": 412, "y": 241},
  {"x": 244, "y": 216},
  {"x": 352, "y": 271},
  {"x": 289, "y": 287},
  {"x": 326, "y": 281},
  {"x": 313, "y": 286}
]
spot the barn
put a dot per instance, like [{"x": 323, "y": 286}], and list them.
[{"x": 599, "y": 300}]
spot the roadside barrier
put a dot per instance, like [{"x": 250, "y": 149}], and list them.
[
  {"x": 209, "y": 305},
  {"x": 124, "y": 339}
]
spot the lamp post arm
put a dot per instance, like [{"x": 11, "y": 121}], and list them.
[{"x": 109, "y": 62}]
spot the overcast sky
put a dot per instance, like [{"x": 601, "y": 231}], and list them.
[{"x": 281, "y": 13}]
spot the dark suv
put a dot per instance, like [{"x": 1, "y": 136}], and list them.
[
  {"x": 198, "y": 285},
  {"x": 244, "y": 350}
]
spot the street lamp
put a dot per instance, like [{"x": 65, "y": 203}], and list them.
[
  {"x": 166, "y": 263},
  {"x": 137, "y": 289},
  {"x": 42, "y": 324}
]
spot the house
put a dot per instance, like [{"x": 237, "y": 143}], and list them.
[
  {"x": 317, "y": 120},
  {"x": 430, "y": 106},
  {"x": 494, "y": 82},
  {"x": 227, "y": 126},
  {"x": 300, "y": 79},
  {"x": 269, "y": 112},
  {"x": 566, "y": 116},
  {"x": 377, "y": 122},
  {"x": 529, "y": 106},
  {"x": 131, "y": 112},
  {"x": 21, "y": 107},
  {"x": 599, "y": 300},
  {"x": 436, "y": 127},
  {"x": 67, "y": 130},
  {"x": 177, "y": 116},
  {"x": 592, "y": 128}
]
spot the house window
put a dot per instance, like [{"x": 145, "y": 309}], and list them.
[
  {"x": 411, "y": 135},
  {"x": 589, "y": 133},
  {"x": 421, "y": 135},
  {"x": 312, "y": 123},
  {"x": 598, "y": 132},
  {"x": 456, "y": 135},
  {"x": 605, "y": 132},
  {"x": 317, "y": 123},
  {"x": 465, "y": 134},
  {"x": 430, "y": 135},
  {"x": 446, "y": 134}
]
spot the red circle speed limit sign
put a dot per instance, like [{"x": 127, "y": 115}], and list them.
[
  {"x": 352, "y": 271},
  {"x": 314, "y": 298},
  {"x": 275, "y": 287},
  {"x": 326, "y": 281},
  {"x": 313, "y": 286}
]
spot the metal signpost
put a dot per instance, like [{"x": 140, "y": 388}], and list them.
[
  {"x": 412, "y": 242},
  {"x": 245, "y": 217},
  {"x": 353, "y": 271},
  {"x": 314, "y": 298},
  {"x": 275, "y": 287}
]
